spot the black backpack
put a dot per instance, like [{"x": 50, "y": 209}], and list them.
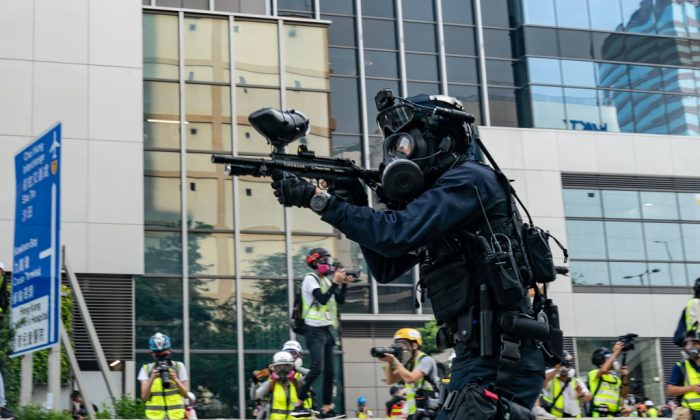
[{"x": 296, "y": 322}]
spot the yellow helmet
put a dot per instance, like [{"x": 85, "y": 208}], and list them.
[{"x": 409, "y": 334}]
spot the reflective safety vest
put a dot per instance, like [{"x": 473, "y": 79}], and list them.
[
  {"x": 692, "y": 377},
  {"x": 409, "y": 406},
  {"x": 606, "y": 390},
  {"x": 652, "y": 412},
  {"x": 164, "y": 403},
  {"x": 362, "y": 415},
  {"x": 283, "y": 399},
  {"x": 317, "y": 312},
  {"x": 396, "y": 410},
  {"x": 690, "y": 322},
  {"x": 554, "y": 391}
]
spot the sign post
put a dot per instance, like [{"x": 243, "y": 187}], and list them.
[{"x": 36, "y": 277}]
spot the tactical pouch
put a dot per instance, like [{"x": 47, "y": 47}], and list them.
[
  {"x": 554, "y": 347},
  {"x": 449, "y": 290},
  {"x": 505, "y": 284},
  {"x": 475, "y": 402},
  {"x": 540, "y": 254}
]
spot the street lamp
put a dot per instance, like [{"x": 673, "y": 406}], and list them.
[
  {"x": 641, "y": 276},
  {"x": 668, "y": 251}
]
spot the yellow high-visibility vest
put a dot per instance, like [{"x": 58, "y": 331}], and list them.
[
  {"x": 164, "y": 401},
  {"x": 317, "y": 312},
  {"x": 690, "y": 399},
  {"x": 606, "y": 391}
]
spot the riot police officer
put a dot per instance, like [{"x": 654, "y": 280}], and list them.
[{"x": 441, "y": 201}]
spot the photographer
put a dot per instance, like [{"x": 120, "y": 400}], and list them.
[
  {"x": 414, "y": 369},
  {"x": 690, "y": 315},
  {"x": 563, "y": 392},
  {"x": 320, "y": 297},
  {"x": 164, "y": 383},
  {"x": 685, "y": 377},
  {"x": 607, "y": 387},
  {"x": 441, "y": 201}
]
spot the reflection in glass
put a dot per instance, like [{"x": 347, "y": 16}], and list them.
[
  {"x": 304, "y": 70},
  {"x": 206, "y": 50},
  {"x": 663, "y": 241},
  {"x": 572, "y": 14},
  {"x": 213, "y": 136},
  {"x": 613, "y": 75},
  {"x": 211, "y": 253},
  {"x": 347, "y": 147},
  {"x": 630, "y": 274},
  {"x": 160, "y": 49},
  {"x": 547, "y": 107},
  {"x": 668, "y": 274},
  {"x": 212, "y": 374},
  {"x": 247, "y": 101},
  {"x": 503, "y": 107},
  {"x": 539, "y": 12},
  {"x": 649, "y": 113},
  {"x": 420, "y": 37},
  {"x": 263, "y": 256},
  {"x": 500, "y": 72},
  {"x": 345, "y": 105},
  {"x": 342, "y": 31},
  {"x": 421, "y": 67},
  {"x": 609, "y": 118},
  {"x": 462, "y": 70},
  {"x": 162, "y": 189},
  {"x": 161, "y": 102},
  {"x": 381, "y": 64},
  {"x": 379, "y": 33},
  {"x": 358, "y": 299},
  {"x": 497, "y": 43},
  {"x": 208, "y": 103},
  {"x": 624, "y": 240},
  {"x": 605, "y": 15},
  {"x": 645, "y": 77},
  {"x": 683, "y": 116},
  {"x": 578, "y": 73},
  {"x": 690, "y": 205},
  {"x": 582, "y": 203},
  {"x": 582, "y": 110},
  {"x": 257, "y": 61},
  {"x": 638, "y": 16},
  {"x": 575, "y": 44},
  {"x": 544, "y": 70},
  {"x": 157, "y": 308},
  {"x": 540, "y": 41},
  {"x": 585, "y": 239},
  {"x": 161, "y": 134},
  {"x": 659, "y": 205},
  {"x": 589, "y": 273},
  {"x": 457, "y": 11},
  {"x": 459, "y": 40},
  {"x": 265, "y": 305},
  {"x": 693, "y": 271},
  {"x": 343, "y": 61},
  {"x": 395, "y": 299},
  {"x": 691, "y": 241},
  {"x": 209, "y": 200},
  {"x": 621, "y": 204},
  {"x": 212, "y": 313},
  {"x": 315, "y": 106},
  {"x": 259, "y": 209}
]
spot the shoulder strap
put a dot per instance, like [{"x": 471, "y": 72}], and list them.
[{"x": 561, "y": 391}]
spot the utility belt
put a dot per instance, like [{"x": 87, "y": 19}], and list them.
[{"x": 604, "y": 411}]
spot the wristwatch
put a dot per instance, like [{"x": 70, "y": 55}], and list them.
[{"x": 319, "y": 202}]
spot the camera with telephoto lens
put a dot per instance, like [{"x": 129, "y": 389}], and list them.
[
  {"x": 628, "y": 341},
  {"x": 394, "y": 349},
  {"x": 162, "y": 366}
]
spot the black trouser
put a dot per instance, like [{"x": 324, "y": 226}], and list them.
[{"x": 319, "y": 342}]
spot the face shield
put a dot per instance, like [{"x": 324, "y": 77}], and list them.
[{"x": 393, "y": 119}]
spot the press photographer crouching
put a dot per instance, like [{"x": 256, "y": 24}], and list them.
[
  {"x": 609, "y": 383},
  {"x": 408, "y": 365}
]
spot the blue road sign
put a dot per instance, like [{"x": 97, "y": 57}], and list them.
[{"x": 36, "y": 270}]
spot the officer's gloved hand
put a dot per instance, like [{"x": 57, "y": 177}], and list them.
[
  {"x": 291, "y": 190},
  {"x": 350, "y": 190}
]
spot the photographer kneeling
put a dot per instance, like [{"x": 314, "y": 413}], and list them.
[
  {"x": 413, "y": 368},
  {"x": 607, "y": 387}
]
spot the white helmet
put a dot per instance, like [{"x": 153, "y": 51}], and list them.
[
  {"x": 282, "y": 358},
  {"x": 292, "y": 345},
  {"x": 191, "y": 398}
]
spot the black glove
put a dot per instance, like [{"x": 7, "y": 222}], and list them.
[
  {"x": 291, "y": 190},
  {"x": 351, "y": 190}
]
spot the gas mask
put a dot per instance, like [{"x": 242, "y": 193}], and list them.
[
  {"x": 692, "y": 351},
  {"x": 324, "y": 267}
]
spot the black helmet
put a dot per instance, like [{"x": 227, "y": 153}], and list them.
[
  {"x": 599, "y": 356},
  {"x": 696, "y": 287},
  {"x": 692, "y": 335},
  {"x": 314, "y": 255},
  {"x": 394, "y": 389}
]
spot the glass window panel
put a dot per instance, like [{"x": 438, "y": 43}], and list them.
[
  {"x": 462, "y": 70},
  {"x": 160, "y": 49},
  {"x": 252, "y": 7},
  {"x": 212, "y": 313},
  {"x": 638, "y": 16},
  {"x": 659, "y": 205},
  {"x": 247, "y": 101},
  {"x": 629, "y": 274},
  {"x": 690, "y": 205},
  {"x": 381, "y": 64},
  {"x": 691, "y": 241},
  {"x": 693, "y": 272},
  {"x": 207, "y": 103},
  {"x": 375, "y": 159},
  {"x": 158, "y": 308},
  {"x": 495, "y": 13},
  {"x": 609, "y": 111},
  {"x": 503, "y": 107},
  {"x": 379, "y": 33},
  {"x": 589, "y": 273},
  {"x": 582, "y": 109},
  {"x": 343, "y": 61},
  {"x": 256, "y": 49},
  {"x": 211, "y": 253},
  {"x": 605, "y": 15},
  {"x": 539, "y": 12},
  {"x": 347, "y": 147},
  {"x": 187, "y": 4},
  {"x": 209, "y": 201},
  {"x": 678, "y": 80},
  {"x": 206, "y": 49},
  {"x": 499, "y": 72},
  {"x": 358, "y": 299},
  {"x": 302, "y": 244},
  {"x": 608, "y": 46},
  {"x": 459, "y": 40},
  {"x": 163, "y": 252},
  {"x": 649, "y": 113},
  {"x": 585, "y": 239},
  {"x": 302, "y": 221},
  {"x": 263, "y": 256},
  {"x": 544, "y": 70},
  {"x": 161, "y": 102},
  {"x": 396, "y": 299},
  {"x": 682, "y": 115},
  {"x": 547, "y": 107},
  {"x": 259, "y": 209},
  {"x": 582, "y": 203},
  {"x": 161, "y": 134},
  {"x": 420, "y": 37},
  {"x": 668, "y": 274},
  {"x": 469, "y": 95},
  {"x": 457, "y": 11},
  {"x": 579, "y": 73},
  {"x": 572, "y": 14},
  {"x": 345, "y": 105},
  {"x": 421, "y": 67},
  {"x": 214, "y": 136},
  {"x": 337, "y": 6},
  {"x": 379, "y": 8},
  {"x": 304, "y": 70},
  {"x": 613, "y": 75},
  {"x": 497, "y": 43},
  {"x": 211, "y": 374},
  {"x": 415, "y": 88},
  {"x": 341, "y": 31},
  {"x": 265, "y": 320},
  {"x": 663, "y": 241},
  {"x": 418, "y": 9},
  {"x": 315, "y": 107},
  {"x": 625, "y": 240},
  {"x": 162, "y": 189},
  {"x": 641, "y": 49},
  {"x": 575, "y": 44},
  {"x": 621, "y": 204},
  {"x": 301, "y": 5},
  {"x": 372, "y": 87},
  {"x": 540, "y": 41},
  {"x": 645, "y": 77}
]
